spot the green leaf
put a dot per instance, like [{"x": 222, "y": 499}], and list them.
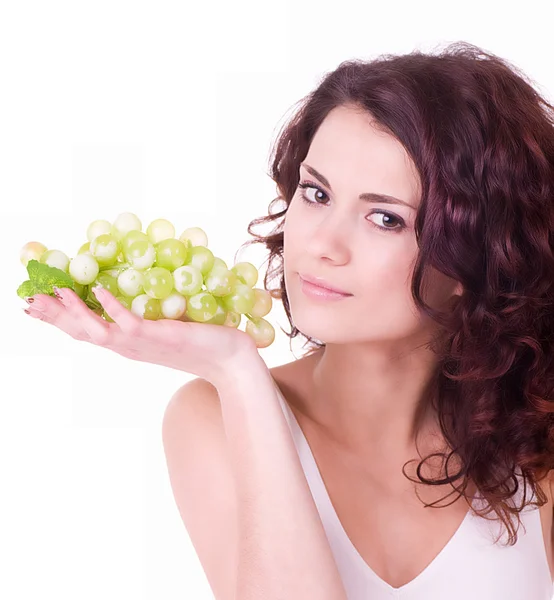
[
  {"x": 25, "y": 290},
  {"x": 42, "y": 279}
]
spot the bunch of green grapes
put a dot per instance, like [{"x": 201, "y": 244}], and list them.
[{"x": 158, "y": 276}]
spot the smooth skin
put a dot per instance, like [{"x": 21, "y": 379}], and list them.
[{"x": 207, "y": 351}]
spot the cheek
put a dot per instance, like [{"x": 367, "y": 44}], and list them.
[
  {"x": 386, "y": 293},
  {"x": 294, "y": 232},
  {"x": 386, "y": 273},
  {"x": 290, "y": 240}
]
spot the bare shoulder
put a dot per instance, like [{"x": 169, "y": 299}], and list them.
[
  {"x": 196, "y": 395},
  {"x": 201, "y": 480}
]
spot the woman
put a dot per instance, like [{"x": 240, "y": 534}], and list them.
[{"x": 422, "y": 188}]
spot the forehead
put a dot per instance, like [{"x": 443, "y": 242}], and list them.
[{"x": 348, "y": 147}]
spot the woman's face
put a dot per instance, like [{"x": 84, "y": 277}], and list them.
[{"x": 365, "y": 247}]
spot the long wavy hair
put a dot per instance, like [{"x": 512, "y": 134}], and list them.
[{"x": 482, "y": 139}]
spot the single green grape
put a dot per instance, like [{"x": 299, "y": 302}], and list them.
[
  {"x": 105, "y": 249},
  {"x": 220, "y": 281},
  {"x": 146, "y": 307},
  {"x": 108, "y": 282},
  {"x": 171, "y": 253},
  {"x": 201, "y": 307},
  {"x": 220, "y": 316},
  {"x": 158, "y": 282},
  {"x": 246, "y": 273},
  {"x": 55, "y": 258},
  {"x": 219, "y": 262},
  {"x": 233, "y": 320},
  {"x": 31, "y": 251},
  {"x": 187, "y": 280},
  {"x": 130, "y": 238},
  {"x": 160, "y": 229},
  {"x": 262, "y": 304},
  {"x": 131, "y": 282},
  {"x": 98, "y": 227},
  {"x": 83, "y": 269},
  {"x": 124, "y": 223},
  {"x": 196, "y": 235},
  {"x": 201, "y": 258},
  {"x": 241, "y": 299},
  {"x": 261, "y": 331},
  {"x": 141, "y": 255},
  {"x": 174, "y": 306}
]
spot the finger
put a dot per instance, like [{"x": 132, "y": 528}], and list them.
[
  {"x": 47, "y": 308},
  {"x": 50, "y": 310},
  {"x": 127, "y": 321},
  {"x": 37, "y": 314},
  {"x": 45, "y": 304},
  {"x": 96, "y": 327}
]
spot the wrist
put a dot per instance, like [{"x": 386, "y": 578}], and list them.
[{"x": 243, "y": 365}]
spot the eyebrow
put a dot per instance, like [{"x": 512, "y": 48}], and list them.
[{"x": 368, "y": 196}]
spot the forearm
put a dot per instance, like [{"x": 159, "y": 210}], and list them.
[{"x": 283, "y": 551}]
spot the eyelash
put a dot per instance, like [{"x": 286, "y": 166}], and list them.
[{"x": 310, "y": 184}]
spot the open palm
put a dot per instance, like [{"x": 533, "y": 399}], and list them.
[{"x": 201, "y": 349}]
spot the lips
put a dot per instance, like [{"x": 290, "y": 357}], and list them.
[{"x": 320, "y": 282}]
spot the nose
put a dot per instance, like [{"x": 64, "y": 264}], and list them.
[{"x": 331, "y": 238}]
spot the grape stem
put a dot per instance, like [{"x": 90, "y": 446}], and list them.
[{"x": 117, "y": 266}]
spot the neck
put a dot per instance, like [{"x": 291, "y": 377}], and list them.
[{"x": 373, "y": 400}]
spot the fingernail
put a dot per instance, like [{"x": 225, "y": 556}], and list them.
[
  {"x": 57, "y": 292},
  {"x": 30, "y": 300},
  {"x": 27, "y": 311}
]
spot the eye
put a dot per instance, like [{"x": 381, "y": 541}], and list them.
[{"x": 308, "y": 185}]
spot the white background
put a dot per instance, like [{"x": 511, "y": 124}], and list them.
[{"x": 165, "y": 109}]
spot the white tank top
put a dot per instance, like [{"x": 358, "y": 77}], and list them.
[{"x": 470, "y": 566}]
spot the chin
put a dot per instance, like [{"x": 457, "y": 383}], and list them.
[{"x": 327, "y": 333}]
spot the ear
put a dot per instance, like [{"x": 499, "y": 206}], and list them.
[
  {"x": 459, "y": 290},
  {"x": 456, "y": 295}
]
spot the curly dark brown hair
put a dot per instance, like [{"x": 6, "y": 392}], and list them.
[{"x": 482, "y": 139}]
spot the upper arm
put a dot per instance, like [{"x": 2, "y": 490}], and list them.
[{"x": 201, "y": 480}]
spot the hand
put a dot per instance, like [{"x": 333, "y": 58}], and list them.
[{"x": 201, "y": 349}]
